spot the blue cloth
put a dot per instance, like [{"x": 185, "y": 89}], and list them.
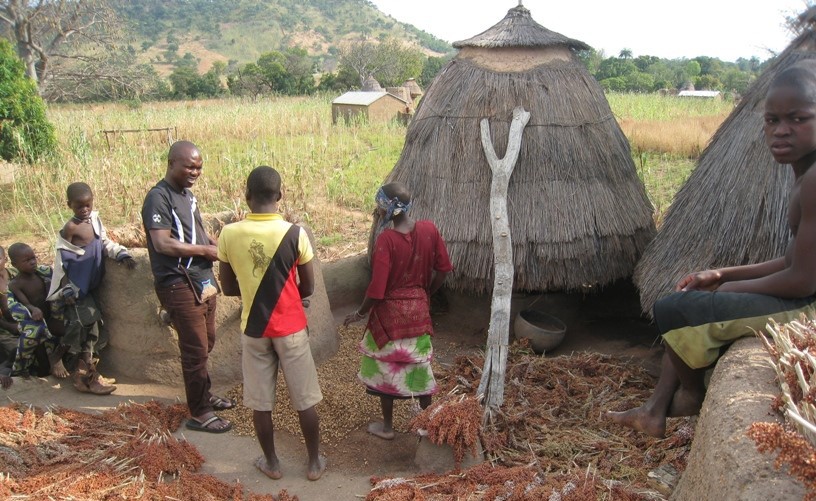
[
  {"x": 391, "y": 206},
  {"x": 85, "y": 271}
]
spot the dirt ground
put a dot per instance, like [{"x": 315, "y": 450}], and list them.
[{"x": 607, "y": 322}]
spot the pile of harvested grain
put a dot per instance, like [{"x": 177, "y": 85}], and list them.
[
  {"x": 550, "y": 435},
  {"x": 345, "y": 406},
  {"x": 127, "y": 453},
  {"x": 454, "y": 420},
  {"x": 793, "y": 354}
]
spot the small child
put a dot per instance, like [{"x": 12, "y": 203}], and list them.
[
  {"x": 34, "y": 316},
  {"x": 79, "y": 266}
]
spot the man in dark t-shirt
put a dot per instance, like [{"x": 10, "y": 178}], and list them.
[{"x": 181, "y": 256}]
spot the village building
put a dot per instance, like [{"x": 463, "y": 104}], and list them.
[
  {"x": 578, "y": 213},
  {"x": 377, "y": 106},
  {"x": 705, "y": 94}
]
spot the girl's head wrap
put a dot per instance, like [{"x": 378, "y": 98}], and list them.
[{"x": 391, "y": 206}]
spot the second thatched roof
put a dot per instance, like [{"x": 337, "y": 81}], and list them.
[
  {"x": 733, "y": 208},
  {"x": 578, "y": 212}
]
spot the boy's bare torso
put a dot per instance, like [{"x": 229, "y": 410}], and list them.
[
  {"x": 32, "y": 286},
  {"x": 78, "y": 233},
  {"x": 795, "y": 211}
]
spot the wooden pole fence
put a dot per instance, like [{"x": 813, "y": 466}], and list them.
[{"x": 170, "y": 131}]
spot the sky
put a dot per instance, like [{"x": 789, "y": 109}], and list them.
[{"x": 725, "y": 29}]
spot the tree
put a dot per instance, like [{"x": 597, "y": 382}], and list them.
[
  {"x": 431, "y": 68},
  {"x": 737, "y": 81},
  {"x": 389, "y": 61},
  {"x": 50, "y": 33},
  {"x": 273, "y": 74},
  {"x": 25, "y": 132},
  {"x": 693, "y": 68},
  {"x": 639, "y": 82},
  {"x": 615, "y": 67},
  {"x": 187, "y": 83},
  {"x": 300, "y": 67},
  {"x": 117, "y": 76}
]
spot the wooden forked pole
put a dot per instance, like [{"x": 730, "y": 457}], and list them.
[{"x": 491, "y": 386}]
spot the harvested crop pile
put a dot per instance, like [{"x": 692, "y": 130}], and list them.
[
  {"x": 124, "y": 453},
  {"x": 345, "y": 405},
  {"x": 550, "y": 440},
  {"x": 792, "y": 355}
]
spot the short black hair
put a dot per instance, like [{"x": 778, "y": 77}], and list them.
[
  {"x": 181, "y": 148},
  {"x": 77, "y": 190},
  {"x": 16, "y": 248},
  {"x": 800, "y": 76},
  {"x": 397, "y": 189},
  {"x": 264, "y": 184}
]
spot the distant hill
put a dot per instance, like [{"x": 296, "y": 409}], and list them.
[{"x": 238, "y": 31}]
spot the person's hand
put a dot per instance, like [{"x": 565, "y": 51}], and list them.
[
  {"x": 352, "y": 317},
  {"x": 707, "y": 280},
  {"x": 5, "y": 381},
  {"x": 36, "y": 313},
  {"x": 129, "y": 262},
  {"x": 210, "y": 252}
]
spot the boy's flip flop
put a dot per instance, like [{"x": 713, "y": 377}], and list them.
[
  {"x": 192, "y": 424},
  {"x": 222, "y": 404}
]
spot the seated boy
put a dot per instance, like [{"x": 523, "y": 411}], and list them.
[
  {"x": 79, "y": 266},
  {"x": 34, "y": 316},
  {"x": 712, "y": 308}
]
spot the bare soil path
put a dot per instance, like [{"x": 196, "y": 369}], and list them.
[{"x": 608, "y": 322}]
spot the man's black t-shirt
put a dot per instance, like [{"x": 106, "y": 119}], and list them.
[{"x": 165, "y": 208}]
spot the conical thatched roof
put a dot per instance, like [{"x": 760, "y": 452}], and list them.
[
  {"x": 732, "y": 209},
  {"x": 578, "y": 212},
  {"x": 372, "y": 85},
  {"x": 413, "y": 87},
  {"x": 518, "y": 29}
]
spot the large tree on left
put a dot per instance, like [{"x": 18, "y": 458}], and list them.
[
  {"x": 25, "y": 133},
  {"x": 50, "y": 32}
]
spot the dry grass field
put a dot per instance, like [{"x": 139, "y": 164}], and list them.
[{"x": 330, "y": 172}]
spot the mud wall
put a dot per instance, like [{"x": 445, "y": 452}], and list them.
[
  {"x": 141, "y": 347},
  {"x": 723, "y": 462}
]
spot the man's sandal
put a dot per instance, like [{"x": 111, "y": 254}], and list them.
[
  {"x": 192, "y": 424},
  {"x": 222, "y": 404}
]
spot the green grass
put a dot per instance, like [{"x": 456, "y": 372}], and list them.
[{"x": 646, "y": 107}]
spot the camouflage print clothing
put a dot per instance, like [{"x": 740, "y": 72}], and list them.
[{"x": 32, "y": 332}]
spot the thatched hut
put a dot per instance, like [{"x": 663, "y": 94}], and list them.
[
  {"x": 413, "y": 88},
  {"x": 578, "y": 213},
  {"x": 370, "y": 84},
  {"x": 732, "y": 209}
]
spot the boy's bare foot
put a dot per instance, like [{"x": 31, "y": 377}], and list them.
[
  {"x": 5, "y": 381},
  {"x": 378, "y": 430},
  {"x": 271, "y": 471},
  {"x": 640, "y": 420},
  {"x": 686, "y": 403},
  {"x": 316, "y": 470},
  {"x": 58, "y": 370}
]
